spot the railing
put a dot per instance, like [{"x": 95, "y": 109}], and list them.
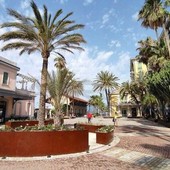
[{"x": 25, "y": 92}]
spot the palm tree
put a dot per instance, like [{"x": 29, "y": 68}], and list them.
[
  {"x": 97, "y": 102},
  {"x": 105, "y": 81},
  {"x": 44, "y": 34},
  {"x": 58, "y": 84},
  {"x": 145, "y": 50},
  {"x": 152, "y": 53},
  {"x": 151, "y": 14},
  {"x": 148, "y": 102},
  {"x": 76, "y": 88},
  {"x": 128, "y": 88},
  {"x": 154, "y": 15}
]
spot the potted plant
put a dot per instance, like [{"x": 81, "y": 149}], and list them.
[{"x": 105, "y": 134}]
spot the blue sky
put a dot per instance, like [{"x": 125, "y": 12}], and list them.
[{"x": 111, "y": 30}]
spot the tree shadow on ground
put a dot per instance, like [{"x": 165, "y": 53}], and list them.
[
  {"x": 152, "y": 122},
  {"x": 142, "y": 131},
  {"x": 162, "y": 151}
]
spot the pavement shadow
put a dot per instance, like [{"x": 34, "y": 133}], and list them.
[
  {"x": 151, "y": 122},
  {"x": 161, "y": 151},
  {"x": 141, "y": 131}
]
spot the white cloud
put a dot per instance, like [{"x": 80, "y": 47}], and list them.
[
  {"x": 107, "y": 16},
  {"x": 63, "y": 1},
  {"x": 135, "y": 16},
  {"x": 88, "y": 63},
  {"x": 103, "y": 56},
  {"x": 129, "y": 29},
  {"x": 114, "y": 43},
  {"x": 25, "y": 4},
  {"x": 115, "y": 1},
  {"x": 87, "y": 2}
]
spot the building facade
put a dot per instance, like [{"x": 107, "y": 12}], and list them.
[
  {"x": 137, "y": 69},
  {"x": 126, "y": 107},
  {"x": 14, "y": 102},
  {"x": 72, "y": 106}
]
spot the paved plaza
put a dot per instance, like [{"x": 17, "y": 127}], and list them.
[{"x": 138, "y": 144}]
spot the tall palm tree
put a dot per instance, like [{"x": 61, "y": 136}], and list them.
[
  {"x": 44, "y": 34},
  {"x": 154, "y": 15},
  {"x": 105, "y": 81},
  {"x": 151, "y": 15}
]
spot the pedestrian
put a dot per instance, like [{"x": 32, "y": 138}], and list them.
[
  {"x": 115, "y": 119},
  {"x": 89, "y": 116}
]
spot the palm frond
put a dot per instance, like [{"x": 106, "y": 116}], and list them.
[
  {"x": 58, "y": 13},
  {"x": 17, "y": 15},
  {"x": 15, "y": 45}
]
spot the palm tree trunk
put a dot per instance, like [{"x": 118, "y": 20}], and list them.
[
  {"x": 166, "y": 39},
  {"x": 73, "y": 107},
  {"x": 57, "y": 121},
  {"x": 157, "y": 36},
  {"x": 108, "y": 100},
  {"x": 43, "y": 87}
]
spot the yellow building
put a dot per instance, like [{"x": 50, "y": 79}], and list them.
[
  {"x": 125, "y": 107},
  {"x": 137, "y": 69},
  {"x": 114, "y": 103}
]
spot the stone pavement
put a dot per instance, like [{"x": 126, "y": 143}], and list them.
[
  {"x": 138, "y": 144},
  {"x": 144, "y": 136},
  {"x": 141, "y": 159}
]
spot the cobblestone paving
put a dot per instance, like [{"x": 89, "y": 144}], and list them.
[
  {"x": 150, "y": 162},
  {"x": 154, "y": 145},
  {"x": 86, "y": 162}
]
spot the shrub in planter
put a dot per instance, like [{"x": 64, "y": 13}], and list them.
[
  {"x": 105, "y": 135},
  {"x": 14, "y": 123},
  {"x": 89, "y": 126}
]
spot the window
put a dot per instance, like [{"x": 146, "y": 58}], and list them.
[{"x": 5, "y": 78}]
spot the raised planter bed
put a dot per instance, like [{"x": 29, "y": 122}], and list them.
[
  {"x": 42, "y": 143},
  {"x": 14, "y": 124},
  {"x": 90, "y": 127},
  {"x": 104, "y": 138}
]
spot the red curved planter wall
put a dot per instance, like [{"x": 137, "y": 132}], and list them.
[
  {"x": 104, "y": 138},
  {"x": 43, "y": 143}
]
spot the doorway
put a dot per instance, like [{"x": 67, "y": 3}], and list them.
[
  {"x": 134, "y": 112},
  {"x": 2, "y": 111},
  {"x": 124, "y": 113}
]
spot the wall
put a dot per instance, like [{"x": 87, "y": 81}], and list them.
[
  {"x": 24, "y": 108},
  {"x": 12, "y": 77}
]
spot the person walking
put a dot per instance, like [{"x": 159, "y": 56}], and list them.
[
  {"x": 115, "y": 119},
  {"x": 89, "y": 116}
]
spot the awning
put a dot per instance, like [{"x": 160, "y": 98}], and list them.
[{"x": 15, "y": 94}]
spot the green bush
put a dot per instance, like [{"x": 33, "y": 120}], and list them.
[
  {"x": 106, "y": 129},
  {"x": 49, "y": 127}
]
